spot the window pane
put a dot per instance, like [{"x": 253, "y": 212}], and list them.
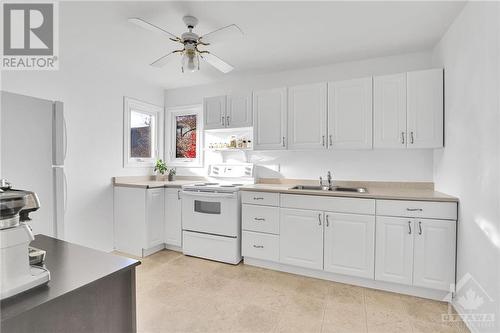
[
  {"x": 185, "y": 143},
  {"x": 141, "y": 135}
]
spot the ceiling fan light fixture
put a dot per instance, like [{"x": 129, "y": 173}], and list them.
[{"x": 190, "y": 61}]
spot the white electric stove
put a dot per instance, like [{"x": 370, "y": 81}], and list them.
[{"x": 211, "y": 216}]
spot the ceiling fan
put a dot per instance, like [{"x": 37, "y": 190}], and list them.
[{"x": 191, "y": 53}]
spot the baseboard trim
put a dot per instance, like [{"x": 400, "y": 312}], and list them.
[
  {"x": 173, "y": 248},
  {"x": 362, "y": 282}
]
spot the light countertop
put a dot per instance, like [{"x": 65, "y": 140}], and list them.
[
  {"x": 384, "y": 191},
  {"x": 151, "y": 182}
]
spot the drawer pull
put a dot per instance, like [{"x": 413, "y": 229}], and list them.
[
  {"x": 419, "y": 227},
  {"x": 259, "y": 219},
  {"x": 409, "y": 227},
  {"x": 258, "y": 198},
  {"x": 258, "y": 246},
  {"x": 414, "y": 209}
]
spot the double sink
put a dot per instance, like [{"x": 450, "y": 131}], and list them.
[{"x": 328, "y": 188}]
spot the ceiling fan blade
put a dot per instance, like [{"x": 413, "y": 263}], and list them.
[
  {"x": 162, "y": 61},
  {"x": 151, "y": 27},
  {"x": 225, "y": 33},
  {"x": 217, "y": 62}
]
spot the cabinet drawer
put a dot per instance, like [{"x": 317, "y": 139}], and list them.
[
  {"x": 424, "y": 209},
  {"x": 261, "y": 218},
  {"x": 331, "y": 204},
  {"x": 260, "y": 198},
  {"x": 260, "y": 246}
]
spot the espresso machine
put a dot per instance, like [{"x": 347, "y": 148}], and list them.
[{"x": 16, "y": 272}]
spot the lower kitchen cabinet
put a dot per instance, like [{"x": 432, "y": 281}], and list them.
[
  {"x": 138, "y": 220},
  {"x": 394, "y": 250},
  {"x": 350, "y": 244},
  {"x": 434, "y": 254},
  {"x": 301, "y": 238},
  {"x": 173, "y": 217}
]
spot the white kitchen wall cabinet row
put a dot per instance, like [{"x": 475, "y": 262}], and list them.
[
  {"x": 346, "y": 237},
  {"x": 394, "y": 111},
  {"x": 147, "y": 220},
  {"x": 230, "y": 111}
]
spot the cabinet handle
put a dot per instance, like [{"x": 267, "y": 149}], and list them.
[
  {"x": 319, "y": 218},
  {"x": 419, "y": 227},
  {"x": 414, "y": 209},
  {"x": 223, "y": 125},
  {"x": 327, "y": 221},
  {"x": 258, "y": 198},
  {"x": 409, "y": 227},
  {"x": 412, "y": 139},
  {"x": 259, "y": 219},
  {"x": 178, "y": 194},
  {"x": 331, "y": 140},
  {"x": 323, "y": 140},
  {"x": 227, "y": 120},
  {"x": 258, "y": 246},
  {"x": 283, "y": 141},
  {"x": 403, "y": 138}
]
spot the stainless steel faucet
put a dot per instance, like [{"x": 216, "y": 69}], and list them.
[{"x": 329, "y": 177}]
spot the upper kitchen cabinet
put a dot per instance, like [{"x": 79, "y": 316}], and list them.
[
  {"x": 239, "y": 111},
  {"x": 350, "y": 114},
  {"x": 307, "y": 109},
  {"x": 214, "y": 112},
  {"x": 270, "y": 119},
  {"x": 425, "y": 108},
  {"x": 389, "y": 111}
]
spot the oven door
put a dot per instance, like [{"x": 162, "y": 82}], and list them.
[{"x": 213, "y": 213}]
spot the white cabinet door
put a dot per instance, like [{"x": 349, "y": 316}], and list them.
[
  {"x": 269, "y": 119},
  {"x": 239, "y": 111},
  {"x": 214, "y": 112},
  {"x": 350, "y": 114},
  {"x": 173, "y": 217},
  {"x": 350, "y": 244},
  {"x": 394, "y": 249},
  {"x": 154, "y": 217},
  {"x": 425, "y": 108},
  {"x": 301, "y": 238},
  {"x": 307, "y": 105},
  {"x": 389, "y": 111},
  {"x": 434, "y": 255}
]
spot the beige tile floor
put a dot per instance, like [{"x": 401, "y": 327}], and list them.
[{"x": 176, "y": 293}]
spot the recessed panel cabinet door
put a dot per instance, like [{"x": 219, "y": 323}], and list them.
[
  {"x": 434, "y": 255},
  {"x": 269, "y": 119},
  {"x": 425, "y": 108},
  {"x": 173, "y": 219},
  {"x": 389, "y": 111},
  {"x": 307, "y": 105},
  {"x": 214, "y": 112},
  {"x": 350, "y": 244},
  {"x": 155, "y": 217},
  {"x": 239, "y": 111},
  {"x": 394, "y": 249},
  {"x": 301, "y": 238},
  {"x": 350, "y": 114}
]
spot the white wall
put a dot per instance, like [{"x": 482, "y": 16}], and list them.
[
  {"x": 397, "y": 165},
  {"x": 93, "y": 102},
  {"x": 468, "y": 167}
]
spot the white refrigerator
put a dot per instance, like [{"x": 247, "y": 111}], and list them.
[{"x": 33, "y": 145}]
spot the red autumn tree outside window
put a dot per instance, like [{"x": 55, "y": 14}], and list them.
[{"x": 185, "y": 146}]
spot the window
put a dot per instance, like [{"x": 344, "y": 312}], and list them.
[
  {"x": 142, "y": 133},
  {"x": 184, "y": 139}
]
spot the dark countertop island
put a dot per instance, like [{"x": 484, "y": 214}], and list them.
[{"x": 89, "y": 291}]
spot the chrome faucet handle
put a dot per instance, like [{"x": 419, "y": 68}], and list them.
[{"x": 320, "y": 181}]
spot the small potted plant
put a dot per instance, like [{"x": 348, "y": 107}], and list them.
[
  {"x": 160, "y": 169},
  {"x": 171, "y": 174}
]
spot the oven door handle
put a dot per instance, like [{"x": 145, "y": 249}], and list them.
[{"x": 209, "y": 194}]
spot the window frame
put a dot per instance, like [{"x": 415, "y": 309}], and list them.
[
  {"x": 130, "y": 105},
  {"x": 170, "y": 139}
]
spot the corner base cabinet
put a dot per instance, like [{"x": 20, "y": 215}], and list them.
[{"x": 396, "y": 245}]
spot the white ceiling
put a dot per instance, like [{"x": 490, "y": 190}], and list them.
[{"x": 278, "y": 35}]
